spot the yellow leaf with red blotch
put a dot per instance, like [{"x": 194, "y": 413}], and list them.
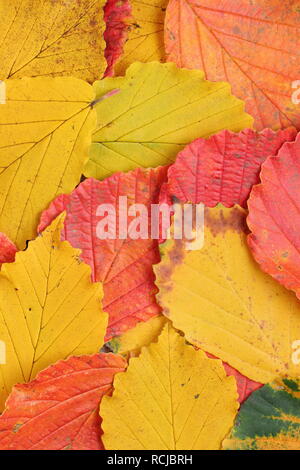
[
  {"x": 49, "y": 309},
  {"x": 45, "y": 133},
  {"x": 171, "y": 397},
  {"x": 156, "y": 111},
  {"x": 225, "y": 304},
  {"x": 52, "y": 38},
  {"x": 252, "y": 44},
  {"x": 145, "y": 34}
]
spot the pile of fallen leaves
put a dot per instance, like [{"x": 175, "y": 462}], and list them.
[{"x": 134, "y": 343}]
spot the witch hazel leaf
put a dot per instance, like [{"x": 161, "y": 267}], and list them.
[
  {"x": 244, "y": 385},
  {"x": 7, "y": 250},
  {"x": 269, "y": 419},
  {"x": 235, "y": 311},
  {"x": 132, "y": 341},
  {"x": 59, "y": 410},
  {"x": 223, "y": 168},
  {"x": 274, "y": 220},
  {"x": 145, "y": 34},
  {"x": 45, "y": 132},
  {"x": 123, "y": 265},
  {"x": 49, "y": 309},
  {"x": 158, "y": 109},
  {"x": 52, "y": 38},
  {"x": 252, "y": 45},
  {"x": 170, "y": 398},
  {"x": 115, "y": 14}
]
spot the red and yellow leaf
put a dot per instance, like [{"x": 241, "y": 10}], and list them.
[
  {"x": 7, "y": 249},
  {"x": 254, "y": 45}
]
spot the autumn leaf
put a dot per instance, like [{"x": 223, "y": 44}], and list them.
[
  {"x": 274, "y": 219},
  {"x": 115, "y": 14},
  {"x": 49, "y": 309},
  {"x": 132, "y": 341},
  {"x": 123, "y": 265},
  {"x": 59, "y": 410},
  {"x": 45, "y": 129},
  {"x": 157, "y": 111},
  {"x": 269, "y": 419},
  {"x": 252, "y": 45},
  {"x": 145, "y": 34},
  {"x": 52, "y": 38},
  {"x": 223, "y": 168},
  {"x": 234, "y": 310},
  {"x": 170, "y": 398},
  {"x": 7, "y": 249}
]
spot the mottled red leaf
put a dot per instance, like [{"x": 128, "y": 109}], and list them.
[
  {"x": 124, "y": 266},
  {"x": 223, "y": 168},
  {"x": 274, "y": 217},
  {"x": 252, "y": 44},
  {"x": 115, "y": 13},
  {"x": 7, "y": 249},
  {"x": 60, "y": 408}
]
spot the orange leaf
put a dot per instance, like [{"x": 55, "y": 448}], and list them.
[
  {"x": 60, "y": 408},
  {"x": 254, "y": 45},
  {"x": 7, "y": 249}
]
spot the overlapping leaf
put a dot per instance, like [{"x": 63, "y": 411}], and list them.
[
  {"x": 255, "y": 46},
  {"x": 123, "y": 265},
  {"x": 49, "y": 309},
  {"x": 223, "y": 168},
  {"x": 7, "y": 249},
  {"x": 234, "y": 311},
  {"x": 145, "y": 34},
  {"x": 274, "y": 217},
  {"x": 269, "y": 419},
  {"x": 157, "y": 111},
  {"x": 51, "y": 38},
  {"x": 171, "y": 397},
  {"x": 45, "y": 129},
  {"x": 59, "y": 410},
  {"x": 115, "y": 14}
]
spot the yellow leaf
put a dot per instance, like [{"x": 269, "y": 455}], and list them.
[
  {"x": 49, "y": 309},
  {"x": 158, "y": 110},
  {"x": 171, "y": 397},
  {"x": 133, "y": 340},
  {"x": 145, "y": 41},
  {"x": 45, "y": 131},
  {"x": 234, "y": 310},
  {"x": 52, "y": 38}
]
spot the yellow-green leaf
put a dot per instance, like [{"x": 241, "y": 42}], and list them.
[
  {"x": 158, "y": 110},
  {"x": 171, "y": 397},
  {"x": 52, "y": 38},
  {"x": 45, "y": 132},
  {"x": 145, "y": 30},
  {"x": 234, "y": 310},
  {"x": 49, "y": 309}
]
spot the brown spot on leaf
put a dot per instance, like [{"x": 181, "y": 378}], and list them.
[{"x": 234, "y": 220}]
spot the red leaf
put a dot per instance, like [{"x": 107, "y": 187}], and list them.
[
  {"x": 7, "y": 249},
  {"x": 223, "y": 168},
  {"x": 115, "y": 13},
  {"x": 252, "y": 44},
  {"x": 124, "y": 266},
  {"x": 60, "y": 408},
  {"x": 274, "y": 217}
]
